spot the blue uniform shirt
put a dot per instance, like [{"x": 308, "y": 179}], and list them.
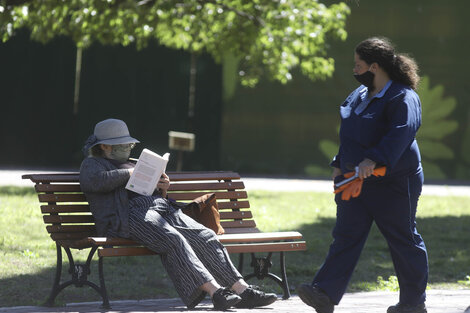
[{"x": 382, "y": 129}]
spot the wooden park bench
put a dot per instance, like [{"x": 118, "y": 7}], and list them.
[{"x": 70, "y": 224}]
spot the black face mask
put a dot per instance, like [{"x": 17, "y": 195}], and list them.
[{"x": 367, "y": 79}]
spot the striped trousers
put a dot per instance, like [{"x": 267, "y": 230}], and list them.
[{"x": 191, "y": 253}]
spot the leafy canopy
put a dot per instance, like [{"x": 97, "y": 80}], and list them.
[{"x": 270, "y": 37}]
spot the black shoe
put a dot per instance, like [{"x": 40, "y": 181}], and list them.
[
  {"x": 253, "y": 297},
  {"x": 316, "y": 298},
  {"x": 407, "y": 308},
  {"x": 224, "y": 298}
]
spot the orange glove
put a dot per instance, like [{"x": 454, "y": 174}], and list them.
[
  {"x": 346, "y": 175},
  {"x": 353, "y": 189}
]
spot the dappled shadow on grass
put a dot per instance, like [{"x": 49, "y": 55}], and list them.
[
  {"x": 446, "y": 239},
  {"x": 144, "y": 277}
]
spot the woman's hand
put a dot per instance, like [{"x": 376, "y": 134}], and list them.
[
  {"x": 131, "y": 170},
  {"x": 163, "y": 185},
  {"x": 336, "y": 172},
  {"x": 366, "y": 168}
]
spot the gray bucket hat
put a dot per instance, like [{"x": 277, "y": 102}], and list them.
[{"x": 109, "y": 132}]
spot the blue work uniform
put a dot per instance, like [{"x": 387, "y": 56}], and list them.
[{"x": 383, "y": 129}]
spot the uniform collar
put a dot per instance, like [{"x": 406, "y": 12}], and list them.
[{"x": 364, "y": 92}]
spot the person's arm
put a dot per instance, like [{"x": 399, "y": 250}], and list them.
[
  {"x": 95, "y": 178},
  {"x": 163, "y": 185},
  {"x": 336, "y": 172},
  {"x": 404, "y": 114},
  {"x": 336, "y": 165}
]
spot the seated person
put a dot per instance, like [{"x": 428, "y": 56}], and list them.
[{"x": 192, "y": 255}]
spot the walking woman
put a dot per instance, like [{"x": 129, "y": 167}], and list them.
[
  {"x": 195, "y": 260},
  {"x": 379, "y": 121}
]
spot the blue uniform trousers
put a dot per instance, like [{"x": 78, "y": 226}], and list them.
[{"x": 392, "y": 205}]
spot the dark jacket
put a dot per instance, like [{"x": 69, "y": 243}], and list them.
[
  {"x": 104, "y": 188},
  {"x": 382, "y": 129}
]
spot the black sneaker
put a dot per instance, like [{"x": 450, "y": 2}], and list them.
[
  {"x": 407, "y": 308},
  {"x": 224, "y": 298},
  {"x": 316, "y": 298},
  {"x": 253, "y": 297}
]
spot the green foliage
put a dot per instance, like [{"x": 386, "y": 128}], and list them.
[
  {"x": 317, "y": 171},
  {"x": 329, "y": 149},
  {"x": 463, "y": 168},
  {"x": 466, "y": 281},
  {"x": 270, "y": 37},
  {"x": 436, "y": 125},
  {"x": 390, "y": 285}
]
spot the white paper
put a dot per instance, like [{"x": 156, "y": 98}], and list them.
[{"x": 147, "y": 172}]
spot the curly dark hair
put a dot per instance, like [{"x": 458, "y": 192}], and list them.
[
  {"x": 96, "y": 151},
  {"x": 400, "y": 67}
]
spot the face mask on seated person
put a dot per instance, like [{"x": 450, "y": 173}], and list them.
[{"x": 121, "y": 153}]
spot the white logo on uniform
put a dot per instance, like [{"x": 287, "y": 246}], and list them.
[{"x": 368, "y": 115}]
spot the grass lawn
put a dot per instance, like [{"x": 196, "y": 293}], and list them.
[{"x": 28, "y": 255}]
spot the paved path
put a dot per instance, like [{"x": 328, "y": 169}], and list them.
[
  {"x": 13, "y": 177},
  {"x": 439, "y": 301}
]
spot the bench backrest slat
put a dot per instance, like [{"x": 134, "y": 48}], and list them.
[
  {"x": 174, "y": 187},
  {"x": 238, "y": 224},
  {"x": 219, "y": 195},
  {"x": 57, "y": 188},
  {"x": 235, "y": 215},
  {"x": 65, "y": 208},
  {"x": 233, "y": 204},
  {"x": 62, "y": 197},
  {"x": 52, "y": 178},
  {"x": 195, "y": 176},
  {"x": 70, "y": 228},
  {"x": 68, "y": 218},
  {"x": 207, "y": 186}
]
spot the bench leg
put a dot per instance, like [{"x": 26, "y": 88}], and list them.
[
  {"x": 104, "y": 292},
  {"x": 261, "y": 268},
  {"x": 79, "y": 273},
  {"x": 240, "y": 262},
  {"x": 58, "y": 272},
  {"x": 285, "y": 284}
]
